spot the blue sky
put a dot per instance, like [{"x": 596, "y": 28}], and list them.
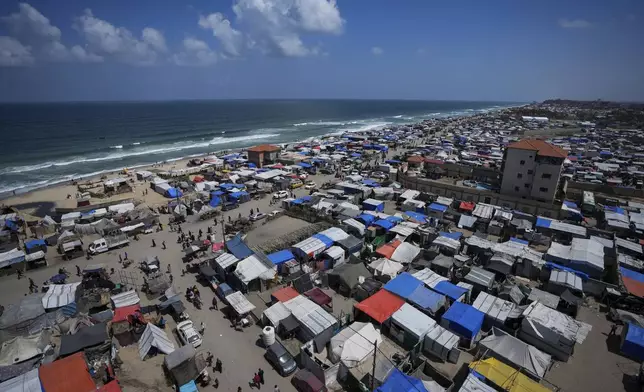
[{"x": 411, "y": 49}]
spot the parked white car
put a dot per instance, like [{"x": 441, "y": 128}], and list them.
[
  {"x": 188, "y": 334},
  {"x": 310, "y": 185},
  {"x": 280, "y": 195}
]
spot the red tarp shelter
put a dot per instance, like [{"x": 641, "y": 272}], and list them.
[
  {"x": 388, "y": 249},
  {"x": 467, "y": 206},
  {"x": 122, "y": 314},
  {"x": 318, "y": 296},
  {"x": 284, "y": 294},
  {"x": 381, "y": 305},
  {"x": 67, "y": 374},
  {"x": 112, "y": 386}
]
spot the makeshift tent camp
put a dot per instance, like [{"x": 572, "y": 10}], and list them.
[
  {"x": 276, "y": 313},
  {"x": 373, "y": 205},
  {"x": 388, "y": 249},
  {"x": 239, "y": 303},
  {"x": 354, "y": 343},
  {"x": 633, "y": 341},
  {"x": 386, "y": 267},
  {"x": 26, "y": 382},
  {"x": 182, "y": 364},
  {"x": 474, "y": 384},
  {"x": 346, "y": 277},
  {"x": 405, "y": 253},
  {"x": 127, "y": 298},
  {"x": 398, "y": 381},
  {"x": 427, "y": 300},
  {"x": 59, "y": 295},
  {"x": 154, "y": 337},
  {"x": 284, "y": 294},
  {"x": 67, "y": 374},
  {"x": 409, "y": 325},
  {"x": 335, "y": 234},
  {"x": 442, "y": 343},
  {"x": 311, "y": 247},
  {"x": 317, "y": 324},
  {"x": 496, "y": 309},
  {"x": 238, "y": 248},
  {"x": 21, "y": 349},
  {"x": 515, "y": 352},
  {"x": 252, "y": 268},
  {"x": 380, "y": 306},
  {"x": 281, "y": 257}
]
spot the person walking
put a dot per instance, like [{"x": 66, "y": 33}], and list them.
[
  {"x": 260, "y": 373},
  {"x": 78, "y": 271},
  {"x": 163, "y": 245},
  {"x": 120, "y": 258},
  {"x": 202, "y": 328},
  {"x": 276, "y": 389},
  {"x": 218, "y": 365},
  {"x": 125, "y": 255},
  {"x": 613, "y": 330},
  {"x": 209, "y": 358},
  {"x": 239, "y": 389},
  {"x": 215, "y": 306},
  {"x": 255, "y": 382},
  {"x": 154, "y": 244}
]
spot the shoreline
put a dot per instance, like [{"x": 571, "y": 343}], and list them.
[{"x": 56, "y": 195}]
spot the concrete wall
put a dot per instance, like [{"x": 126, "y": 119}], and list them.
[
  {"x": 518, "y": 172},
  {"x": 575, "y": 190},
  {"x": 596, "y": 288},
  {"x": 545, "y": 188},
  {"x": 479, "y": 196}
]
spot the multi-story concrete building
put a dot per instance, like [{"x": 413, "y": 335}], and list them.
[
  {"x": 531, "y": 170},
  {"x": 264, "y": 154}
]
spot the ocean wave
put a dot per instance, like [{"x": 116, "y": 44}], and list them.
[
  {"x": 398, "y": 116},
  {"x": 118, "y": 147},
  {"x": 367, "y": 127},
  {"x": 136, "y": 143},
  {"x": 152, "y": 150}
]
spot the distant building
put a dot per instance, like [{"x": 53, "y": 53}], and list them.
[
  {"x": 531, "y": 170},
  {"x": 264, "y": 154},
  {"x": 535, "y": 119}
]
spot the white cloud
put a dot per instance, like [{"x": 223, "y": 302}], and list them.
[
  {"x": 80, "y": 54},
  {"x": 13, "y": 53},
  {"x": 30, "y": 23},
  {"x": 106, "y": 39},
  {"x": 195, "y": 53},
  {"x": 275, "y": 26},
  {"x": 574, "y": 23},
  {"x": 377, "y": 51},
  {"x": 231, "y": 40}
]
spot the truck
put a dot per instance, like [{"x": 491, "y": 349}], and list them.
[{"x": 105, "y": 244}]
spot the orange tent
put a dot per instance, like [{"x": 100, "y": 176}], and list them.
[
  {"x": 467, "y": 206},
  {"x": 284, "y": 294},
  {"x": 381, "y": 305},
  {"x": 388, "y": 249},
  {"x": 112, "y": 386},
  {"x": 67, "y": 374}
]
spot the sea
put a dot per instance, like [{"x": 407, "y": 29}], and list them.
[{"x": 44, "y": 144}]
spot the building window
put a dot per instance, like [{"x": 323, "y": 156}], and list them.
[
  {"x": 519, "y": 175},
  {"x": 542, "y": 189},
  {"x": 522, "y": 162},
  {"x": 530, "y": 172},
  {"x": 516, "y": 189},
  {"x": 527, "y": 185},
  {"x": 546, "y": 175}
]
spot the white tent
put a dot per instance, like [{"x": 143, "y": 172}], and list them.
[
  {"x": 495, "y": 308},
  {"x": 127, "y": 298},
  {"x": 154, "y": 336},
  {"x": 226, "y": 260},
  {"x": 429, "y": 277},
  {"x": 385, "y": 266},
  {"x": 354, "y": 343},
  {"x": 276, "y": 313},
  {"x": 59, "y": 295},
  {"x": 405, "y": 253},
  {"x": 335, "y": 233},
  {"x": 355, "y": 224},
  {"x": 252, "y": 268},
  {"x": 310, "y": 315},
  {"x": 588, "y": 253},
  {"x": 413, "y": 321},
  {"x": 240, "y": 303},
  {"x": 473, "y": 384},
  {"x": 442, "y": 343},
  {"x": 507, "y": 348}
]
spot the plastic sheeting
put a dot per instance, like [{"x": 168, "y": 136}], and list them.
[
  {"x": 495, "y": 308},
  {"x": 429, "y": 277},
  {"x": 385, "y": 266},
  {"x": 238, "y": 248},
  {"x": 310, "y": 315},
  {"x": 506, "y": 377},
  {"x": 633, "y": 343},
  {"x": 154, "y": 336},
  {"x": 335, "y": 234},
  {"x": 354, "y": 343},
  {"x": 507, "y": 348},
  {"x": 280, "y": 257},
  {"x": 67, "y": 374},
  {"x": 240, "y": 303},
  {"x": 463, "y": 319},
  {"x": 553, "y": 326},
  {"x": 380, "y": 306},
  {"x": 403, "y": 285},
  {"x": 27, "y": 382},
  {"x": 20, "y": 349},
  {"x": 276, "y": 313},
  {"x": 398, "y": 381},
  {"x": 252, "y": 268},
  {"x": 127, "y": 298},
  {"x": 427, "y": 299},
  {"x": 405, "y": 253},
  {"x": 226, "y": 260},
  {"x": 440, "y": 341},
  {"x": 59, "y": 295},
  {"x": 413, "y": 321}
]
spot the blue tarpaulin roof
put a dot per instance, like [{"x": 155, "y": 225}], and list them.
[
  {"x": 426, "y": 298},
  {"x": 251, "y": 165},
  {"x": 437, "y": 207},
  {"x": 392, "y": 161},
  {"x": 301, "y": 200},
  {"x": 417, "y": 216},
  {"x": 394, "y": 219},
  {"x": 217, "y": 193},
  {"x": 356, "y": 155},
  {"x": 174, "y": 192},
  {"x": 385, "y": 224},
  {"x": 515, "y": 239},
  {"x": 403, "y": 285},
  {"x": 371, "y": 183},
  {"x": 450, "y": 290},
  {"x": 633, "y": 345},
  {"x": 366, "y": 218},
  {"x": 215, "y": 201},
  {"x": 281, "y": 257},
  {"x": 327, "y": 241},
  {"x": 238, "y": 195},
  {"x": 189, "y": 387},
  {"x": 228, "y": 186},
  {"x": 238, "y": 248},
  {"x": 464, "y": 320},
  {"x": 455, "y": 235},
  {"x": 543, "y": 222},
  {"x": 305, "y": 165},
  {"x": 35, "y": 243},
  {"x": 400, "y": 382},
  {"x": 570, "y": 204},
  {"x": 617, "y": 210},
  {"x": 372, "y": 202},
  {"x": 632, "y": 274}
]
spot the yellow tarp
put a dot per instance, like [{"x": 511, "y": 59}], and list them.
[{"x": 506, "y": 377}]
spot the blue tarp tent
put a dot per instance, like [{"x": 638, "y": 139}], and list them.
[
  {"x": 633, "y": 345},
  {"x": 515, "y": 239},
  {"x": 425, "y": 298},
  {"x": 392, "y": 161},
  {"x": 570, "y": 204},
  {"x": 215, "y": 201},
  {"x": 543, "y": 222},
  {"x": 217, "y": 193},
  {"x": 189, "y": 387},
  {"x": 280, "y": 257},
  {"x": 632, "y": 274},
  {"x": 228, "y": 186},
  {"x": 551, "y": 265},
  {"x": 238, "y": 248},
  {"x": 301, "y": 200},
  {"x": 438, "y": 207},
  {"x": 464, "y": 320},
  {"x": 355, "y": 155},
  {"x": 173, "y": 193},
  {"x": 252, "y": 165},
  {"x": 385, "y": 224},
  {"x": 455, "y": 236},
  {"x": 371, "y": 183},
  {"x": 373, "y": 205},
  {"x": 403, "y": 285},
  {"x": 366, "y": 219},
  {"x": 449, "y": 290},
  {"x": 35, "y": 244},
  {"x": 400, "y": 382},
  {"x": 394, "y": 219},
  {"x": 241, "y": 195},
  {"x": 305, "y": 165},
  {"x": 617, "y": 210},
  {"x": 417, "y": 216},
  {"x": 326, "y": 240}
]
